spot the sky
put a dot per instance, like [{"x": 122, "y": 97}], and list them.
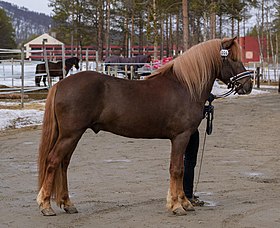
[{"x": 40, "y": 6}]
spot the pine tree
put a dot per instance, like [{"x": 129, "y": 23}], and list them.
[{"x": 6, "y": 30}]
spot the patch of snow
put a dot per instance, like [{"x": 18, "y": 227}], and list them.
[
  {"x": 221, "y": 89},
  {"x": 19, "y": 118}
]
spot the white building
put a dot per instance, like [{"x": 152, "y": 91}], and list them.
[{"x": 36, "y": 45}]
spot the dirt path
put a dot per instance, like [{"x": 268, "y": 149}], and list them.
[{"x": 121, "y": 182}]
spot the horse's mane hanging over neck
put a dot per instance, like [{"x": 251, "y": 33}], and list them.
[{"x": 195, "y": 66}]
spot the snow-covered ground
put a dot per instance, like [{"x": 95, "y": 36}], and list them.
[
  {"x": 17, "y": 118},
  {"x": 10, "y": 74}
]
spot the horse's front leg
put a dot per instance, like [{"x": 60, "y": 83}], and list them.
[
  {"x": 37, "y": 80},
  {"x": 45, "y": 80},
  {"x": 176, "y": 199}
]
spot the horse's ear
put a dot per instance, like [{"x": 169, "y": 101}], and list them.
[{"x": 227, "y": 43}]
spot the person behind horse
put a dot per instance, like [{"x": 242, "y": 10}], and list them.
[
  {"x": 189, "y": 166},
  {"x": 190, "y": 157}
]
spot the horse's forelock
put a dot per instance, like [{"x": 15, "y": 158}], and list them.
[{"x": 235, "y": 51}]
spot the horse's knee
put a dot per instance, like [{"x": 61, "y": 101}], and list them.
[{"x": 176, "y": 172}]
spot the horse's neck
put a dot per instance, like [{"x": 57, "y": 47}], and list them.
[
  {"x": 68, "y": 67},
  {"x": 206, "y": 92}
]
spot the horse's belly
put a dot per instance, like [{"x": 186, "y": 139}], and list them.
[{"x": 148, "y": 125}]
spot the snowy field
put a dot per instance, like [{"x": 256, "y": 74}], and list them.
[
  {"x": 10, "y": 74},
  {"x": 11, "y": 119},
  {"x": 17, "y": 118}
]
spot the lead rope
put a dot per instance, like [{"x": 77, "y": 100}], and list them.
[
  {"x": 209, "y": 114},
  {"x": 200, "y": 164}
]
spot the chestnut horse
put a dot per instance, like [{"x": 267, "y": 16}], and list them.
[{"x": 168, "y": 105}]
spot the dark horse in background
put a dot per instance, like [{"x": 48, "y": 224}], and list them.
[
  {"x": 169, "y": 105},
  {"x": 55, "y": 69},
  {"x": 109, "y": 61}
]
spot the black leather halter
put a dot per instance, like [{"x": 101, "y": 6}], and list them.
[{"x": 234, "y": 85}]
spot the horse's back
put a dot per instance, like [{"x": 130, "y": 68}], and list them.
[
  {"x": 92, "y": 100},
  {"x": 112, "y": 59}
]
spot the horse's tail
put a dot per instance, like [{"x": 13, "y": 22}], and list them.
[{"x": 48, "y": 140}]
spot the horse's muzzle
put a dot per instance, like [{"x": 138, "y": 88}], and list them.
[{"x": 242, "y": 83}]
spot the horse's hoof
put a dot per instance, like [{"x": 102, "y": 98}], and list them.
[
  {"x": 48, "y": 212},
  {"x": 70, "y": 210},
  {"x": 189, "y": 208},
  {"x": 179, "y": 211}
]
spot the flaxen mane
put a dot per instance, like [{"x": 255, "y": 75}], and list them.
[{"x": 194, "y": 67}]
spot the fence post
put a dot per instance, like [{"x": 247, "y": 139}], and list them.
[
  {"x": 46, "y": 63},
  {"x": 125, "y": 72},
  {"x": 87, "y": 59},
  {"x": 22, "y": 76},
  {"x": 81, "y": 57},
  {"x": 278, "y": 83},
  {"x": 96, "y": 59},
  {"x": 116, "y": 70},
  {"x": 131, "y": 72},
  {"x": 63, "y": 61},
  {"x": 258, "y": 77},
  {"x": 12, "y": 66}
]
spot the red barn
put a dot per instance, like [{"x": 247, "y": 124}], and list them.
[{"x": 250, "y": 49}]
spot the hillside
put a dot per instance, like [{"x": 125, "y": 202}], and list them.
[{"x": 25, "y": 22}]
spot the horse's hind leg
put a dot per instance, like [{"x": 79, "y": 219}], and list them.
[
  {"x": 55, "y": 176},
  {"x": 68, "y": 206},
  {"x": 44, "y": 80}
]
